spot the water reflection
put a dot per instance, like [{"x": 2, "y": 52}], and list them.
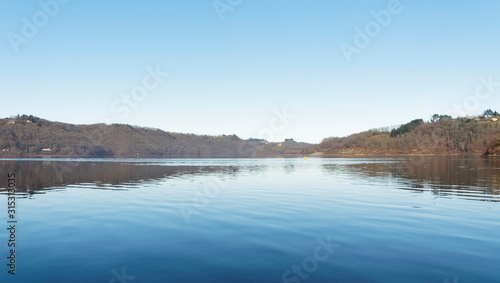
[
  {"x": 36, "y": 176},
  {"x": 476, "y": 179}
]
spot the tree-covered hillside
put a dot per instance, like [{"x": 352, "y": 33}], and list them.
[
  {"x": 26, "y": 136},
  {"x": 442, "y": 134},
  {"x": 29, "y": 136}
]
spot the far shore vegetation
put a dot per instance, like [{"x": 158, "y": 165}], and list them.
[{"x": 30, "y": 136}]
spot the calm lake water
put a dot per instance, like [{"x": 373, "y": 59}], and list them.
[{"x": 423, "y": 219}]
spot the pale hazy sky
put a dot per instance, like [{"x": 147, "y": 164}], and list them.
[{"x": 231, "y": 70}]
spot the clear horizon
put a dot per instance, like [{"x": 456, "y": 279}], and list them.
[{"x": 286, "y": 69}]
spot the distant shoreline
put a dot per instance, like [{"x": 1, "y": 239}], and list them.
[
  {"x": 355, "y": 155},
  {"x": 33, "y": 137}
]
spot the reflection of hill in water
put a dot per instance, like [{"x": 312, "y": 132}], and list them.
[
  {"x": 477, "y": 179},
  {"x": 39, "y": 175}
]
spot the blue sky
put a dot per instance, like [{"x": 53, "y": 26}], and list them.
[{"x": 231, "y": 75}]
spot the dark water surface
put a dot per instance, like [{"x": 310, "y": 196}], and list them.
[{"x": 422, "y": 219}]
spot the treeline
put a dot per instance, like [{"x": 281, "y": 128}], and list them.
[
  {"x": 25, "y": 136},
  {"x": 442, "y": 134},
  {"x": 287, "y": 148},
  {"x": 28, "y": 136},
  {"x": 406, "y": 128}
]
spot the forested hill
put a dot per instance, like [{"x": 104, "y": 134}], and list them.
[
  {"x": 28, "y": 136},
  {"x": 441, "y": 135}
]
